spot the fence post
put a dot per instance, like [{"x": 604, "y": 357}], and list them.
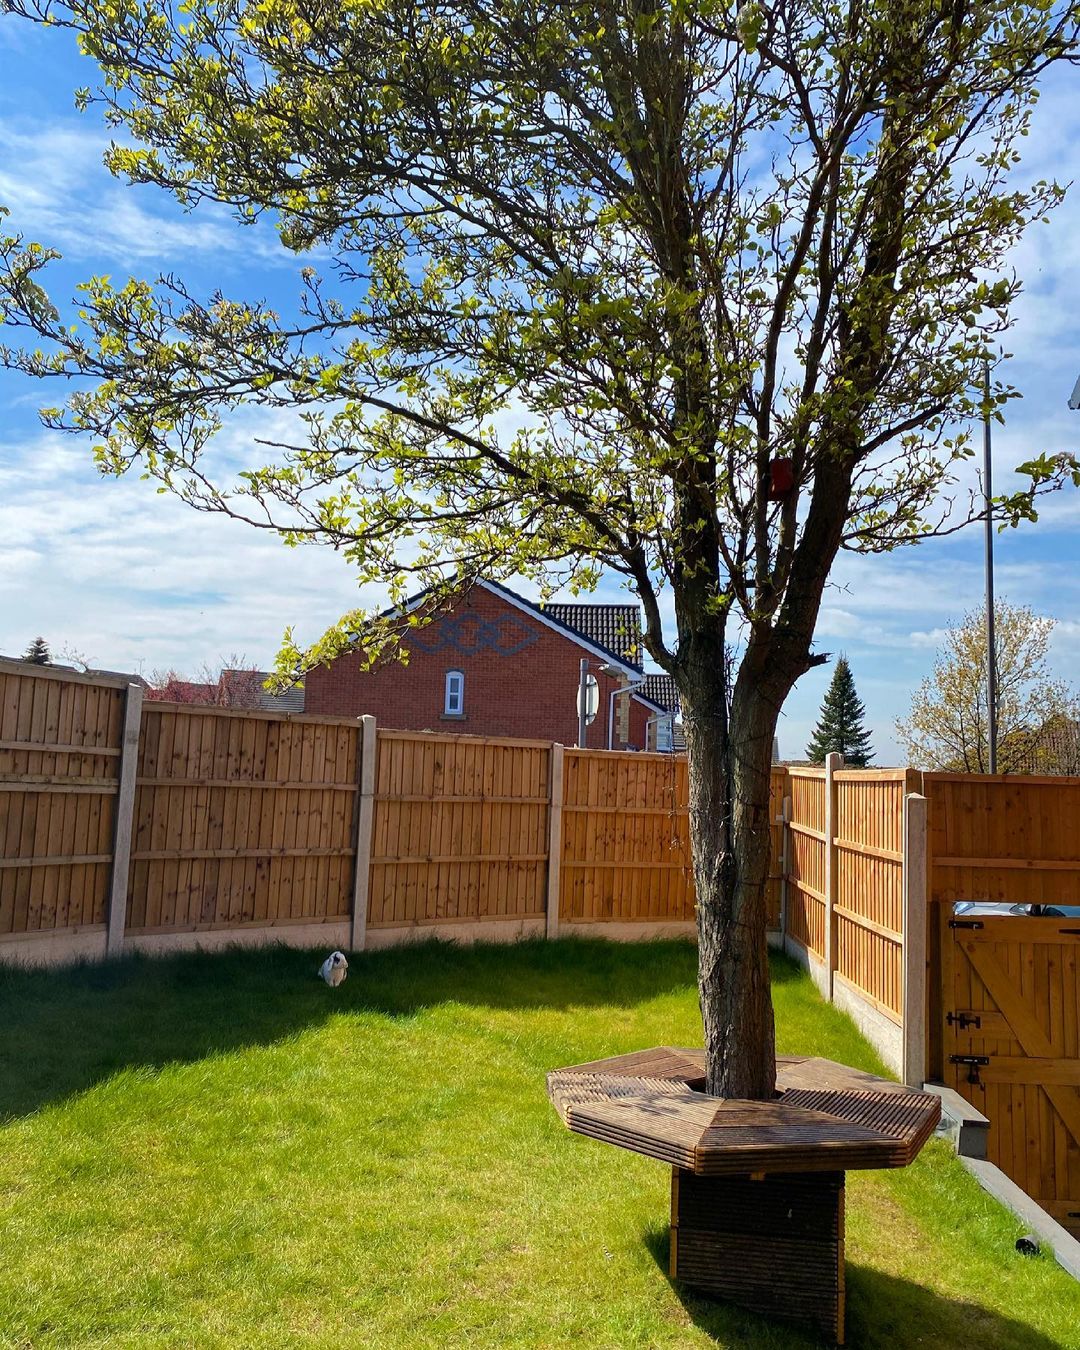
[
  {"x": 914, "y": 933},
  {"x": 116, "y": 916},
  {"x": 554, "y": 875},
  {"x": 365, "y": 817},
  {"x": 785, "y": 868},
  {"x": 833, "y": 762}
]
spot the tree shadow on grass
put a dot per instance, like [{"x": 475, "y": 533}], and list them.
[
  {"x": 883, "y": 1313},
  {"x": 63, "y": 1030}
]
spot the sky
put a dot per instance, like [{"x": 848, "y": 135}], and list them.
[{"x": 129, "y": 579}]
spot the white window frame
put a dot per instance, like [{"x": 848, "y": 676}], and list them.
[{"x": 454, "y": 694}]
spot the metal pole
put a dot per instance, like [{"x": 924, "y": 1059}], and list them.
[
  {"x": 583, "y": 701},
  {"x": 991, "y": 654}
]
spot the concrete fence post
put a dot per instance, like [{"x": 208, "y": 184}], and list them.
[
  {"x": 914, "y": 933},
  {"x": 554, "y": 875},
  {"x": 123, "y": 822},
  {"x": 833, "y": 763},
  {"x": 365, "y": 819}
]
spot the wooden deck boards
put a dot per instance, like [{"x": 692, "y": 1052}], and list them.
[{"x": 826, "y": 1117}]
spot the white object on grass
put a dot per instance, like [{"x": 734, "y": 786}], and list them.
[{"x": 334, "y": 969}]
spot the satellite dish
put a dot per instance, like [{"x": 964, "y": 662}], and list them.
[
  {"x": 1074, "y": 401},
  {"x": 592, "y": 699}
]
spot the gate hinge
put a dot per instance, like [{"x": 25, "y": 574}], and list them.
[
  {"x": 974, "y": 1062},
  {"x": 965, "y": 923},
  {"x": 964, "y": 1020}
]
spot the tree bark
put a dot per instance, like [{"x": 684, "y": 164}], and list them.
[{"x": 729, "y": 769}]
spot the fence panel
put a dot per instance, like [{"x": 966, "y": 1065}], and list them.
[
  {"x": 60, "y": 737},
  {"x": 241, "y": 819},
  {"x": 870, "y": 884},
  {"x": 1004, "y": 838},
  {"x": 460, "y": 829},
  {"x": 806, "y": 875},
  {"x": 625, "y": 839},
  {"x": 778, "y": 790}
]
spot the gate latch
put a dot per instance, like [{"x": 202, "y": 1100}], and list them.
[
  {"x": 965, "y": 923},
  {"x": 974, "y": 1062},
  {"x": 964, "y": 1020}
]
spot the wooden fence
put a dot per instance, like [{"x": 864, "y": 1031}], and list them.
[
  {"x": 806, "y": 860},
  {"x": 1004, "y": 992},
  {"x": 241, "y": 819},
  {"x": 60, "y": 752},
  {"x": 856, "y": 902},
  {"x": 625, "y": 839},
  {"x": 228, "y": 821},
  {"x": 128, "y": 821},
  {"x": 460, "y": 830}
]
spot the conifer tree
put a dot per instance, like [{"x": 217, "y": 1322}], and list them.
[
  {"x": 38, "y": 653},
  {"x": 840, "y": 726}
]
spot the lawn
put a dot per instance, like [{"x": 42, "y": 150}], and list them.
[{"x": 221, "y": 1151}]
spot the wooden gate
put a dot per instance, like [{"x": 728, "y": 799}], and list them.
[{"x": 1011, "y": 1007}]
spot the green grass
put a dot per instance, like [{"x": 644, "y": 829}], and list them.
[{"x": 220, "y": 1151}]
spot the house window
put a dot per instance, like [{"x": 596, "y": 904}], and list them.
[{"x": 454, "y": 702}]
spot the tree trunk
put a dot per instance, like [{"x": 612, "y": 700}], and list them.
[{"x": 730, "y": 765}]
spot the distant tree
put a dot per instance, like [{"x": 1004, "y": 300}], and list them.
[
  {"x": 72, "y": 656},
  {"x": 947, "y": 725},
  {"x": 840, "y": 727},
  {"x": 38, "y": 653},
  {"x": 169, "y": 686},
  {"x": 236, "y": 686}
]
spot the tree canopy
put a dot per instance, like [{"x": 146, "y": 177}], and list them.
[
  {"x": 685, "y": 292},
  {"x": 594, "y": 268},
  {"x": 840, "y": 728},
  {"x": 946, "y": 727}
]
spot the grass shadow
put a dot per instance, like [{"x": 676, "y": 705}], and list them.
[
  {"x": 68, "y": 1028},
  {"x": 884, "y": 1312}
]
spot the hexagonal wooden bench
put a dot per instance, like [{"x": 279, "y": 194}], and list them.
[{"x": 757, "y": 1187}]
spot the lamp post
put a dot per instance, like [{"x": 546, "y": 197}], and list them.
[
  {"x": 991, "y": 654},
  {"x": 588, "y": 700}
]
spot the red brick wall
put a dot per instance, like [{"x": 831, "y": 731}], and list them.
[
  {"x": 530, "y": 692},
  {"x": 639, "y": 716}
]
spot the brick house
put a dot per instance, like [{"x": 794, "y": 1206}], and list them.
[{"x": 498, "y": 665}]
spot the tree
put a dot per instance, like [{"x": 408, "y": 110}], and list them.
[
  {"x": 947, "y": 725},
  {"x": 840, "y": 726},
  {"x": 689, "y": 295},
  {"x": 38, "y": 653},
  {"x": 236, "y": 686}
]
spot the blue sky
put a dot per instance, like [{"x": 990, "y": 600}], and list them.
[{"x": 131, "y": 579}]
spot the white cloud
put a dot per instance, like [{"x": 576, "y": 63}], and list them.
[
  {"x": 136, "y": 580},
  {"x": 53, "y": 181}
]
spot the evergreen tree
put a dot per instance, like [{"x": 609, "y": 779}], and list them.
[
  {"x": 840, "y": 726},
  {"x": 38, "y": 653}
]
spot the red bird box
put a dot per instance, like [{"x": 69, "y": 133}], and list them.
[{"x": 781, "y": 479}]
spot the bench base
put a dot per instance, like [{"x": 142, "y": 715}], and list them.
[{"x": 773, "y": 1243}]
